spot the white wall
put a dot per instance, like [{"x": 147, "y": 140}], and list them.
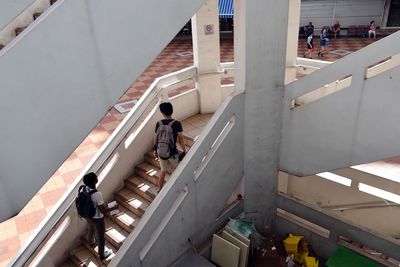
[
  {"x": 63, "y": 74},
  {"x": 348, "y": 202},
  {"x": 349, "y": 127},
  {"x": 348, "y": 12}
]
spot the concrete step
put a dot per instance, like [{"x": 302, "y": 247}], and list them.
[
  {"x": 114, "y": 233},
  {"x": 125, "y": 219},
  {"x": 142, "y": 187},
  {"x": 189, "y": 141},
  {"x": 68, "y": 263},
  {"x": 132, "y": 201},
  {"x": 94, "y": 250},
  {"x": 148, "y": 171},
  {"x": 82, "y": 257},
  {"x": 151, "y": 159}
]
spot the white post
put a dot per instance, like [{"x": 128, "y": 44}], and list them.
[
  {"x": 260, "y": 60},
  {"x": 292, "y": 40},
  {"x": 206, "y": 52}
]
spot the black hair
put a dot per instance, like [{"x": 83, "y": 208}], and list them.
[
  {"x": 166, "y": 108},
  {"x": 90, "y": 180},
  {"x": 372, "y": 21}
]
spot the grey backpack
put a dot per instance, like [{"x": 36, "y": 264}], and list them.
[{"x": 165, "y": 140}]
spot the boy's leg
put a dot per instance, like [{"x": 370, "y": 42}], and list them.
[
  {"x": 164, "y": 164},
  {"x": 100, "y": 232},
  {"x": 91, "y": 231},
  {"x": 161, "y": 180},
  {"x": 173, "y": 162},
  {"x": 169, "y": 164}
]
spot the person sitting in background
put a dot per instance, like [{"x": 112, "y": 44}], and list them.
[
  {"x": 336, "y": 29},
  {"x": 372, "y": 29}
]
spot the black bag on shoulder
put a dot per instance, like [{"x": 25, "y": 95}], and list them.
[{"x": 84, "y": 204}]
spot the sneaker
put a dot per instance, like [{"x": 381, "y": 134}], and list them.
[{"x": 107, "y": 253}]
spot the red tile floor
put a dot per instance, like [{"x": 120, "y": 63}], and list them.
[{"x": 15, "y": 231}]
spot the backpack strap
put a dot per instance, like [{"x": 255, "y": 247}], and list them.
[
  {"x": 93, "y": 191},
  {"x": 170, "y": 123},
  {"x": 87, "y": 188},
  {"x": 174, "y": 151},
  {"x": 81, "y": 188}
]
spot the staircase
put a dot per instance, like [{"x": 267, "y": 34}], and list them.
[{"x": 138, "y": 193}]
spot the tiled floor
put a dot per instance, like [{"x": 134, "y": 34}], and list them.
[{"x": 14, "y": 232}]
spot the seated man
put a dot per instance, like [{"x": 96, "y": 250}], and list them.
[
  {"x": 336, "y": 29},
  {"x": 372, "y": 29}
]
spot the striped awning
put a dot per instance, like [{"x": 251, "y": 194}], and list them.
[{"x": 225, "y": 8}]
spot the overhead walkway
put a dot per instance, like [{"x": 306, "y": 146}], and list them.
[{"x": 70, "y": 52}]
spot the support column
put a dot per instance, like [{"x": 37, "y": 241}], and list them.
[
  {"x": 260, "y": 56},
  {"x": 206, "y": 55},
  {"x": 292, "y": 40}
]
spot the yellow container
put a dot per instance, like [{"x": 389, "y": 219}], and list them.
[
  {"x": 310, "y": 262},
  {"x": 291, "y": 244}
]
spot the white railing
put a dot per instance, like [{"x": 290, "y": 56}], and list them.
[
  {"x": 208, "y": 174},
  {"x": 307, "y": 66},
  {"x": 100, "y": 160},
  {"x": 361, "y": 60},
  {"x": 342, "y": 113},
  {"x": 105, "y": 158}
]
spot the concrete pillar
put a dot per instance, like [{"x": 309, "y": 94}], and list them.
[
  {"x": 292, "y": 40},
  {"x": 260, "y": 52},
  {"x": 206, "y": 53}
]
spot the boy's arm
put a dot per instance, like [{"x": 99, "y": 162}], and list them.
[
  {"x": 181, "y": 141},
  {"x": 99, "y": 199},
  {"x": 104, "y": 209},
  {"x": 155, "y": 141}
]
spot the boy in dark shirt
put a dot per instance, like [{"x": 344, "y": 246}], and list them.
[
  {"x": 166, "y": 110},
  {"x": 96, "y": 226}
]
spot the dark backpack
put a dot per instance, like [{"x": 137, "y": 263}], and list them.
[
  {"x": 165, "y": 140},
  {"x": 84, "y": 203}
]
